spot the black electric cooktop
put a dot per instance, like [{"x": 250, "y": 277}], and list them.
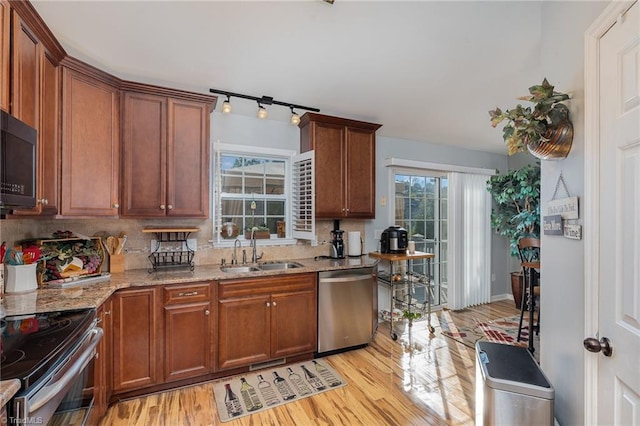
[{"x": 31, "y": 344}]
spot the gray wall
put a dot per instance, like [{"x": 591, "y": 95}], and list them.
[{"x": 562, "y": 277}]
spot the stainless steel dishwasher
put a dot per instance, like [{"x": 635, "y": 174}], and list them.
[{"x": 347, "y": 308}]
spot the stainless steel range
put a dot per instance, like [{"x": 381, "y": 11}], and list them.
[{"x": 51, "y": 354}]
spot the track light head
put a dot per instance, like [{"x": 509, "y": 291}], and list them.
[
  {"x": 295, "y": 118},
  {"x": 262, "y": 113},
  {"x": 226, "y": 106}
]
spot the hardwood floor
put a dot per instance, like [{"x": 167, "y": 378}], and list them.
[{"x": 416, "y": 380}]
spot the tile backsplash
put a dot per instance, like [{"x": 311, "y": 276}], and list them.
[{"x": 138, "y": 245}]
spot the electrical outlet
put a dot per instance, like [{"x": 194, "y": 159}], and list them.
[
  {"x": 377, "y": 233},
  {"x": 383, "y": 201},
  {"x": 191, "y": 243},
  {"x": 493, "y": 277}
]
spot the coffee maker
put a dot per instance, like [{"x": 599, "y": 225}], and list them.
[{"x": 337, "y": 243}]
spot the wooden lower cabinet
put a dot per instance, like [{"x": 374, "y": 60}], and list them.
[
  {"x": 137, "y": 333},
  {"x": 188, "y": 331},
  {"x": 262, "y": 319}
]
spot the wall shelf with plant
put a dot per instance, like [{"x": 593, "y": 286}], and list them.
[{"x": 545, "y": 130}]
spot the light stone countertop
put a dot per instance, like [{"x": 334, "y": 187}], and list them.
[
  {"x": 8, "y": 388},
  {"x": 92, "y": 295}
]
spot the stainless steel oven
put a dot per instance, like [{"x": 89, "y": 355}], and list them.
[{"x": 52, "y": 354}]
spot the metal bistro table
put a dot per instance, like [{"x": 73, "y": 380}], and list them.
[{"x": 408, "y": 282}]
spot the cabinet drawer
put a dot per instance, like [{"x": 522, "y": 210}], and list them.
[
  {"x": 245, "y": 287},
  {"x": 187, "y": 293}
]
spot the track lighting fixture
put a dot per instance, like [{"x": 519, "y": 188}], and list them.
[
  {"x": 226, "y": 106},
  {"x": 295, "y": 118},
  {"x": 262, "y": 113},
  {"x": 264, "y": 100}
]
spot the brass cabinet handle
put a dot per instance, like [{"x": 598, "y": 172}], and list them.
[
  {"x": 268, "y": 304},
  {"x": 116, "y": 205},
  {"x": 170, "y": 207},
  {"x": 161, "y": 206},
  {"x": 206, "y": 312},
  {"x": 188, "y": 293},
  {"x": 274, "y": 303}
]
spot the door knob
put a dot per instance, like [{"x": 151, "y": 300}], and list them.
[{"x": 594, "y": 345}]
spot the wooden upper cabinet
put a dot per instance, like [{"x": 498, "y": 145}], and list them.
[
  {"x": 90, "y": 143},
  {"x": 49, "y": 137},
  {"x": 5, "y": 37},
  {"x": 25, "y": 81},
  {"x": 344, "y": 165},
  {"x": 144, "y": 156},
  {"x": 188, "y": 159},
  {"x": 165, "y": 152},
  {"x": 35, "y": 100}
]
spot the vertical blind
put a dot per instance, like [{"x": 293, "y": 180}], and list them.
[{"x": 469, "y": 250}]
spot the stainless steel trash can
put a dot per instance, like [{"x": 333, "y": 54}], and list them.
[{"x": 511, "y": 389}]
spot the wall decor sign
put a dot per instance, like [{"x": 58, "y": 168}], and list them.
[
  {"x": 552, "y": 225},
  {"x": 573, "y": 232},
  {"x": 565, "y": 207}
]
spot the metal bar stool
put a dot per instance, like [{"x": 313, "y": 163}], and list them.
[{"x": 529, "y": 251}]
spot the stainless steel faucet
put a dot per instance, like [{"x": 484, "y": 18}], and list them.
[
  {"x": 254, "y": 256},
  {"x": 234, "y": 256}
]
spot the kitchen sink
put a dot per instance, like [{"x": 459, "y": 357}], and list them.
[
  {"x": 271, "y": 266},
  {"x": 239, "y": 269}
]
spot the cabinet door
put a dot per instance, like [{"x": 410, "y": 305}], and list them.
[
  {"x": 328, "y": 144},
  {"x": 360, "y": 166},
  {"x": 144, "y": 155},
  {"x": 48, "y": 126},
  {"x": 5, "y": 37},
  {"x": 187, "y": 340},
  {"x": 136, "y": 346},
  {"x": 188, "y": 159},
  {"x": 293, "y": 323},
  {"x": 25, "y": 81},
  {"x": 48, "y": 136},
  {"x": 243, "y": 331},
  {"x": 90, "y": 146}
]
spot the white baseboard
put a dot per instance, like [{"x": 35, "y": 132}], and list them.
[{"x": 504, "y": 296}]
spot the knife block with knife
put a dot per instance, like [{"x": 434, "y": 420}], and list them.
[{"x": 115, "y": 247}]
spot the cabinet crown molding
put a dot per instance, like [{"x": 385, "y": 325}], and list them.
[{"x": 312, "y": 116}]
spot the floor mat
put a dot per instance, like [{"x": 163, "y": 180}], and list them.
[
  {"x": 264, "y": 389},
  {"x": 502, "y": 330}
]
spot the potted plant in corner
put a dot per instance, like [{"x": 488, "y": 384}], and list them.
[
  {"x": 545, "y": 131},
  {"x": 517, "y": 211}
]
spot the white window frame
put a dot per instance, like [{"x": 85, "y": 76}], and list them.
[{"x": 216, "y": 213}]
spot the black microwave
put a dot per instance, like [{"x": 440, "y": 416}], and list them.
[{"x": 18, "y": 143}]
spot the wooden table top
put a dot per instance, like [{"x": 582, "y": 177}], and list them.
[{"x": 401, "y": 256}]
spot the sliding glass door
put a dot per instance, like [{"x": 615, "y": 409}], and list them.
[{"x": 421, "y": 208}]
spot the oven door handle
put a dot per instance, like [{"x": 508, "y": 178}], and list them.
[{"x": 49, "y": 392}]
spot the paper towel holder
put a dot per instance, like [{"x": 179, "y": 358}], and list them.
[{"x": 354, "y": 250}]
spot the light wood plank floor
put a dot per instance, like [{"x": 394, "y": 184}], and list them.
[{"x": 416, "y": 380}]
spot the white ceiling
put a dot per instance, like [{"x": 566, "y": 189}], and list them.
[{"x": 426, "y": 70}]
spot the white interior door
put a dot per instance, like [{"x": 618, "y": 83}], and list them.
[{"x": 615, "y": 383}]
